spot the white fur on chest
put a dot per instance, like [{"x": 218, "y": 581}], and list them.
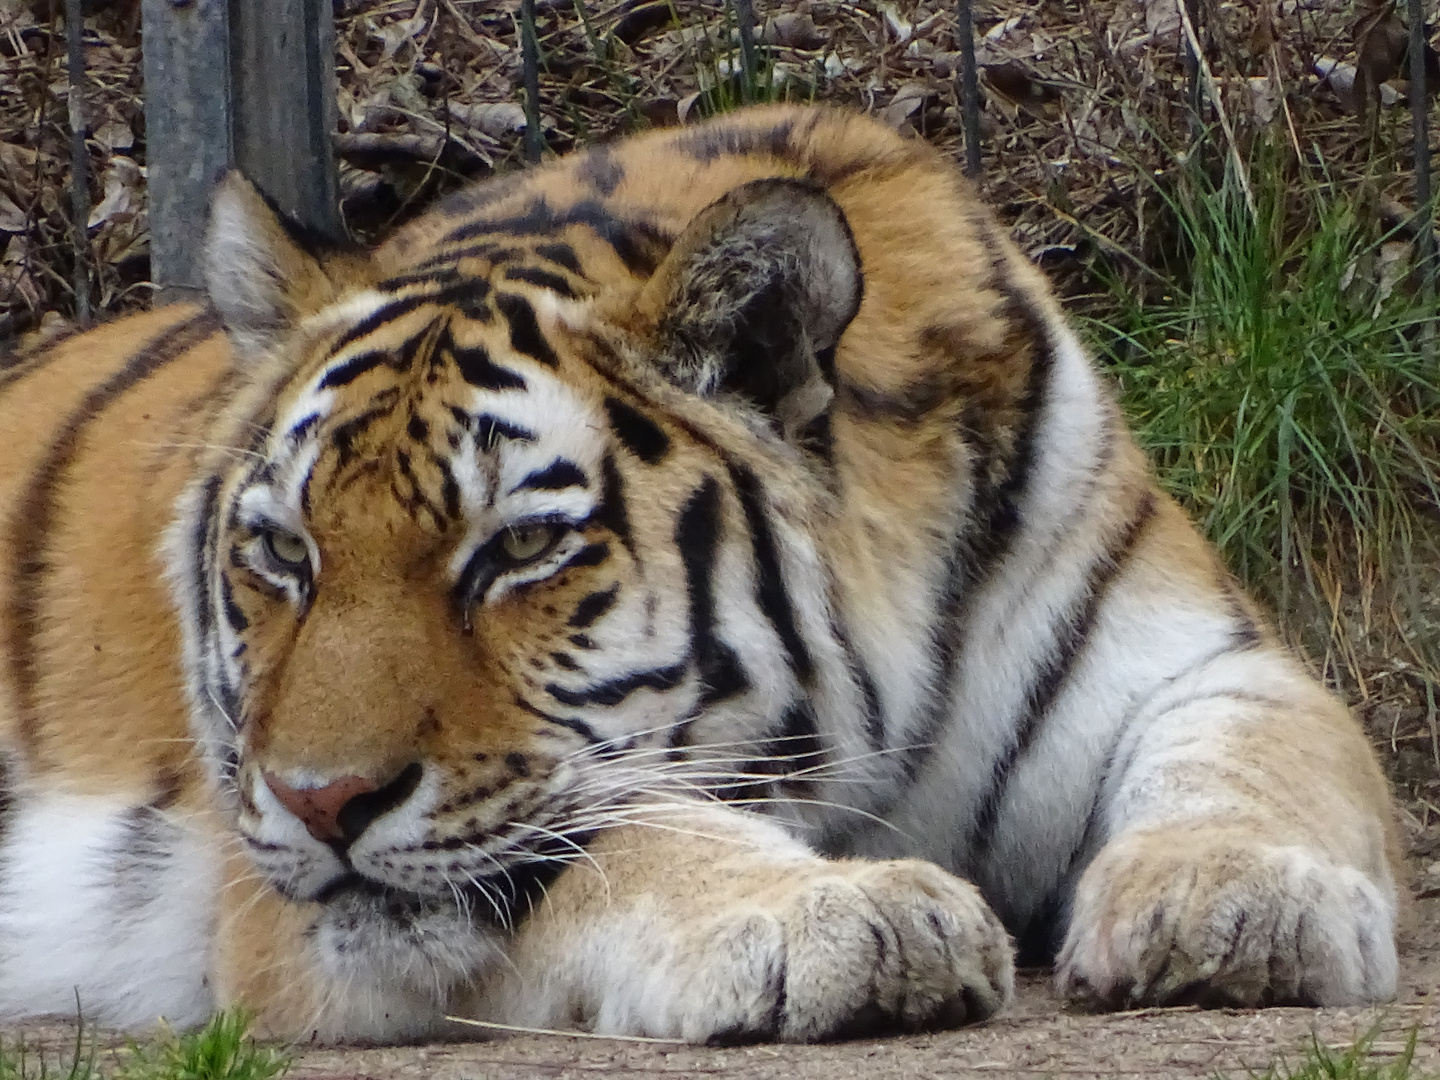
[{"x": 107, "y": 902}]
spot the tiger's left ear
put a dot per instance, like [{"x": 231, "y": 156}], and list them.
[
  {"x": 754, "y": 296},
  {"x": 264, "y": 274}
]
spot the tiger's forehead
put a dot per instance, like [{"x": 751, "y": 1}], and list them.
[{"x": 460, "y": 395}]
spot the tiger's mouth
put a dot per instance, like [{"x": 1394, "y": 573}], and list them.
[{"x": 499, "y": 900}]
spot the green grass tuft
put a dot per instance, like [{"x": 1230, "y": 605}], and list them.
[
  {"x": 1280, "y": 385},
  {"x": 221, "y": 1050},
  {"x": 1359, "y": 1061},
  {"x": 730, "y": 80}
]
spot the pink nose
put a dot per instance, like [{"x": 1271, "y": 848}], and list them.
[{"x": 319, "y": 808}]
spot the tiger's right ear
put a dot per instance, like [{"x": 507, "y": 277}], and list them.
[{"x": 263, "y": 273}]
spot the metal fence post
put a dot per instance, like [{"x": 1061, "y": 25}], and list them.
[
  {"x": 249, "y": 83},
  {"x": 282, "y": 79},
  {"x": 187, "y": 130}
]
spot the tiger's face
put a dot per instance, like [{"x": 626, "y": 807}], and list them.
[{"x": 478, "y": 572}]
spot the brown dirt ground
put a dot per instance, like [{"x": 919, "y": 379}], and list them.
[
  {"x": 1039, "y": 1036},
  {"x": 1081, "y": 99}
]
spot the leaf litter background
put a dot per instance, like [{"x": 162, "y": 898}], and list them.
[{"x": 1085, "y": 106}]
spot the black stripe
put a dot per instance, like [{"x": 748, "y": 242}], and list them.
[
  {"x": 589, "y": 555},
  {"x": 494, "y": 253},
  {"x": 639, "y": 245},
  {"x": 712, "y": 141},
  {"x": 982, "y": 542},
  {"x": 593, "y": 606},
  {"x": 19, "y": 363},
  {"x": 449, "y": 489},
  {"x": 556, "y": 476},
  {"x": 544, "y": 279},
  {"x": 562, "y": 255},
  {"x": 908, "y": 406},
  {"x": 344, "y": 435},
  {"x": 477, "y": 369},
  {"x": 1038, "y": 936},
  {"x": 799, "y": 745},
  {"x": 145, "y": 847},
  {"x": 488, "y": 428},
  {"x": 1071, "y": 638},
  {"x": 611, "y": 512},
  {"x": 417, "y": 498},
  {"x": 35, "y": 511},
  {"x": 376, "y": 319},
  {"x": 202, "y": 541},
  {"x": 446, "y": 283},
  {"x": 598, "y": 168},
  {"x": 1247, "y": 632},
  {"x": 770, "y": 592},
  {"x": 352, "y": 369},
  {"x": 233, "y": 615},
  {"x": 874, "y": 716},
  {"x": 615, "y": 691},
  {"x": 303, "y": 427},
  {"x": 637, "y": 432},
  {"x": 571, "y": 723},
  {"x": 525, "y": 335},
  {"x": 697, "y": 536}
]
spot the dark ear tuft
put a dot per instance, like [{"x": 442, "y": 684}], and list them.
[
  {"x": 263, "y": 274},
  {"x": 754, "y": 296}
]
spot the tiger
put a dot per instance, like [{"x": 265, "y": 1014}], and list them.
[{"x": 695, "y": 588}]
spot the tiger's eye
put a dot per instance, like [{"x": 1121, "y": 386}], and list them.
[
  {"x": 286, "y": 548},
  {"x": 521, "y": 543}
]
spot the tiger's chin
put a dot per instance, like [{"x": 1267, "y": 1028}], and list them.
[{"x": 367, "y": 931}]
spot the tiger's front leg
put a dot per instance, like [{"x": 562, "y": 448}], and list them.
[
  {"x": 1248, "y": 859},
  {"x": 701, "y": 923},
  {"x": 710, "y": 925}
]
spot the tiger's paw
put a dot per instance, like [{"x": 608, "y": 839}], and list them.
[
  {"x": 1161, "y": 919},
  {"x": 836, "y": 951}
]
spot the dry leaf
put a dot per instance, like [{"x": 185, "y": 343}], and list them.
[
  {"x": 907, "y": 100},
  {"x": 1014, "y": 84},
  {"x": 901, "y": 28},
  {"x": 1162, "y": 19},
  {"x": 1340, "y": 77},
  {"x": 12, "y": 218},
  {"x": 1000, "y": 29},
  {"x": 122, "y": 178},
  {"x": 114, "y": 135},
  {"x": 495, "y": 120},
  {"x": 641, "y": 20},
  {"x": 1264, "y": 97},
  {"x": 397, "y": 33},
  {"x": 793, "y": 30},
  {"x": 682, "y": 109},
  {"x": 836, "y": 67}
]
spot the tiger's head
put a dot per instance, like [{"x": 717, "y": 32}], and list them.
[{"x": 484, "y": 544}]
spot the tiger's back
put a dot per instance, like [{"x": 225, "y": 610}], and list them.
[{"x": 750, "y": 460}]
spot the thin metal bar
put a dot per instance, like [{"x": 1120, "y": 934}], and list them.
[
  {"x": 79, "y": 158},
  {"x": 969, "y": 88},
  {"x": 530, "y": 56},
  {"x": 1194, "y": 95},
  {"x": 749, "y": 64},
  {"x": 1419, "y": 116}
]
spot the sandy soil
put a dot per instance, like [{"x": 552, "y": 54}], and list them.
[{"x": 1039, "y": 1036}]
